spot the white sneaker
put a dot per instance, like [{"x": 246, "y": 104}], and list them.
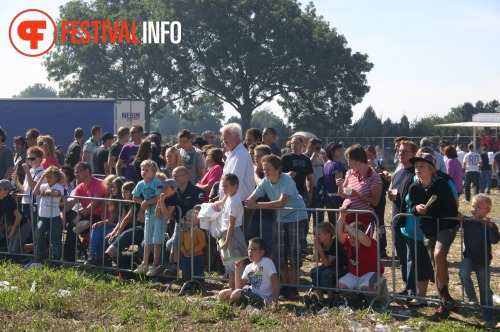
[
  {"x": 142, "y": 269},
  {"x": 153, "y": 270}
]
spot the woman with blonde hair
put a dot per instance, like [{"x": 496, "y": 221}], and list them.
[
  {"x": 173, "y": 159},
  {"x": 48, "y": 146}
]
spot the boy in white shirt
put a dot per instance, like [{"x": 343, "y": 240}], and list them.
[
  {"x": 232, "y": 240},
  {"x": 261, "y": 274}
]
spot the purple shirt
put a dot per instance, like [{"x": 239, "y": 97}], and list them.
[
  {"x": 127, "y": 155},
  {"x": 329, "y": 170},
  {"x": 454, "y": 170}
]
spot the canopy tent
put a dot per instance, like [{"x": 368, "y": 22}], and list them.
[{"x": 484, "y": 120}]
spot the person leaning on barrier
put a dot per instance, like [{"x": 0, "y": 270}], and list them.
[
  {"x": 478, "y": 238},
  {"x": 87, "y": 210},
  {"x": 147, "y": 193},
  {"x": 440, "y": 233},
  {"x": 282, "y": 192},
  {"x": 50, "y": 190}
]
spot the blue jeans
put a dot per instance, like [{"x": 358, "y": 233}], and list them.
[
  {"x": 198, "y": 267},
  {"x": 97, "y": 238},
  {"x": 483, "y": 281},
  {"x": 471, "y": 178},
  {"x": 52, "y": 226},
  {"x": 485, "y": 181}
]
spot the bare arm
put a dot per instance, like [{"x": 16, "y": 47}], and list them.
[
  {"x": 8, "y": 173},
  {"x": 17, "y": 221},
  {"x": 278, "y": 204}
]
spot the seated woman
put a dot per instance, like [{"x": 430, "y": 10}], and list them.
[
  {"x": 101, "y": 228},
  {"x": 129, "y": 231},
  {"x": 361, "y": 189}
]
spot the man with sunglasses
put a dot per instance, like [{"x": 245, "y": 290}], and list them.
[
  {"x": 269, "y": 139},
  {"x": 32, "y": 136}
]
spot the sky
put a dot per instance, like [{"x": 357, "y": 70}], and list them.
[{"x": 428, "y": 56}]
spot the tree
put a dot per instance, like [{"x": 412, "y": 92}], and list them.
[
  {"x": 206, "y": 114},
  {"x": 266, "y": 118},
  {"x": 369, "y": 125},
  {"x": 112, "y": 70},
  {"x": 37, "y": 90}
]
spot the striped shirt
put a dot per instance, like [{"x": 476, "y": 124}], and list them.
[{"x": 361, "y": 185}]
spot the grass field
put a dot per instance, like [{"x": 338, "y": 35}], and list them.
[{"x": 72, "y": 300}]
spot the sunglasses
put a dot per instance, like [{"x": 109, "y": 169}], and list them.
[
  {"x": 31, "y": 158},
  {"x": 41, "y": 143}
]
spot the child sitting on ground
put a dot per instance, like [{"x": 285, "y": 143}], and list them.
[
  {"x": 199, "y": 243},
  {"x": 325, "y": 246},
  {"x": 261, "y": 274},
  {"x": 232, "y": 240},
  {"x": 477, "y": 237},
  {"x": 361, "y": 253}
]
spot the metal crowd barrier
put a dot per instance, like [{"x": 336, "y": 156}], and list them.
[{"x": 493, "y": 270}]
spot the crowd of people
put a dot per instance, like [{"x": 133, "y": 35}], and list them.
[{"x": 129, "y": 189}]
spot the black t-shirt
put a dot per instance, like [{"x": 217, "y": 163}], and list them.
[
  {"x": 176, "y": 201},
  {"x": 114, "y": 151},
  {"x": 100, "y": 158},
  {"x": 192, "y": 196},
  {"x": 300, "y": 164},
  {"x": 341, "y": 256},
  {"x": 73, "y": 154},
  {"x": 7, "y": 207},
  {"x": 486, "y": 162},
  {"x": 127, "y": 207}
]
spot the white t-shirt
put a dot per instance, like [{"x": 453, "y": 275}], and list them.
[
  {"x": 259, "y": 276},
  {"x": 460, "y": 157},
  {"x": 240, "y": 163},
  {"x": 49, "y": 205},
  {"x": 232, "y": 208},
  {"x": 472, "y": 159},
  {"x": 36, "y": 174}
]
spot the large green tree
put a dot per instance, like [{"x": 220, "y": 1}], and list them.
[
  {"x": 112, "y": 70},
  {"x": 37, "y": 90},
  {"x": 244, "y": 52}
]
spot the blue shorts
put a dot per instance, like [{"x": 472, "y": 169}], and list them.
[{"x": 154, "y": 231}]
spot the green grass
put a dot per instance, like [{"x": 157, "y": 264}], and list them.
[{"x": 102, "y": 302}]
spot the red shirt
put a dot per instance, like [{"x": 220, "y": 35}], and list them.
[
  {"x": 94, "y": 189},
  {"x": 366, "y": 260},
  {"x": 49, "y": 161}
]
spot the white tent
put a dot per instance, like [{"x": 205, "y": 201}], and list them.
[{"x": 479, "y": 121}]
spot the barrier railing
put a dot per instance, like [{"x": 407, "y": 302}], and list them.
[
  {"x": 262, "y": 231},
  {"x": 417, "y": 263}
]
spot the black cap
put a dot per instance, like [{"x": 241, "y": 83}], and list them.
[{"x": 107, "y": 136}]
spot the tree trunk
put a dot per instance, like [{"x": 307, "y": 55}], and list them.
[{"x": 246, "y": 117}]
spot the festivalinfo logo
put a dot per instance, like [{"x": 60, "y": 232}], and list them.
[{"x": 33, "y": 32}]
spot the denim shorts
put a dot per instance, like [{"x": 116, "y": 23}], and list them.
[{"x": 154, "y": 231}]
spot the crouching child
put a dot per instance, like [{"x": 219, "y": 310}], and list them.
[
  {"x": 260, "y": 274},
  {"x": 361, "y": 253},
  {"x": 332, "y": 255}
]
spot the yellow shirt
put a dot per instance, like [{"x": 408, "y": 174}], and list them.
[{"x": 199, "y": 241}]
